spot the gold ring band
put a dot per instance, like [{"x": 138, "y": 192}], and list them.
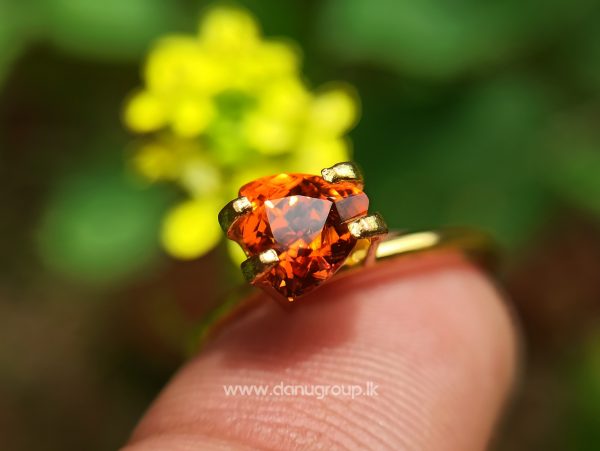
[{"x": 475, "y": 244}]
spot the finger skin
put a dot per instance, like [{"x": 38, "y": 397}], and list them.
[{"x": 430, "y": 331}]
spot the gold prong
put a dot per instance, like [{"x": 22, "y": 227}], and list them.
[
  {"x": 346, "y": 171},
  {"x": 368, "y": 227},
  {"x": 257, "y": 265},
  {"x": 232, "y": 211}
]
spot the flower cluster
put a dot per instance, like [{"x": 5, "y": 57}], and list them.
[{"x": 223, "y": 107}]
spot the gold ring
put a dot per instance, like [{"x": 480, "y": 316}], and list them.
[{"x": 299, "y": 230}]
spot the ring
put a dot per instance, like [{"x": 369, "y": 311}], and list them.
[{"x": 299, "y": 230}]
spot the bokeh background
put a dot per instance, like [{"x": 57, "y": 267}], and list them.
[{"x": 479, "y": 113}]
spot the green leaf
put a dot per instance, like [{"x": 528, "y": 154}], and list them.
[
  {"x": 112, "y": 29},
  {"x": 15, "y": 30},
  {"x": 473, "y": 159},
  {"x": 436, "y": 38},
  {"x": 573, "y": 161},
  {"x": 99, "y": 227},
  {"x": 581, "y": 423},
  {"x": 580, "y": 53}
]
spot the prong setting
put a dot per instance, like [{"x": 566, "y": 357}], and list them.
[
  {"x": 232, "y": 211},
  {"x": 368, "y": 226},
  {"x": 254, "y": 267},
  {"x": 287, "y": 227},
  {"x": 340, "y": 172}
]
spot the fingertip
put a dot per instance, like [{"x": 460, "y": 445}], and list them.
[{"x": 431, "y": 332}]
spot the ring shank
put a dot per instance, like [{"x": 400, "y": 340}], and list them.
[{"x": 475, "y": 244}]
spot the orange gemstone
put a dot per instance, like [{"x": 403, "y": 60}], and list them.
[{"x": 305, "y": 220}]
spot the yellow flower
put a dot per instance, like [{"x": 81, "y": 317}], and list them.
[
  {"x": 190, "y": 229},
  {"x": 180, "y": 161},
  {"x": 224, "y": 104},
  {"x": 334, "y": 111},
  {"x": 145, "y": 112},
  {"x": 229, "y": 30}
]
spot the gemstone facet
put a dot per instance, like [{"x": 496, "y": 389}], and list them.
[{"x": 305, "y": 220}]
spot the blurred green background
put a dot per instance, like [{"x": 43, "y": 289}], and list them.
[{"x": 488, "y": 113}]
